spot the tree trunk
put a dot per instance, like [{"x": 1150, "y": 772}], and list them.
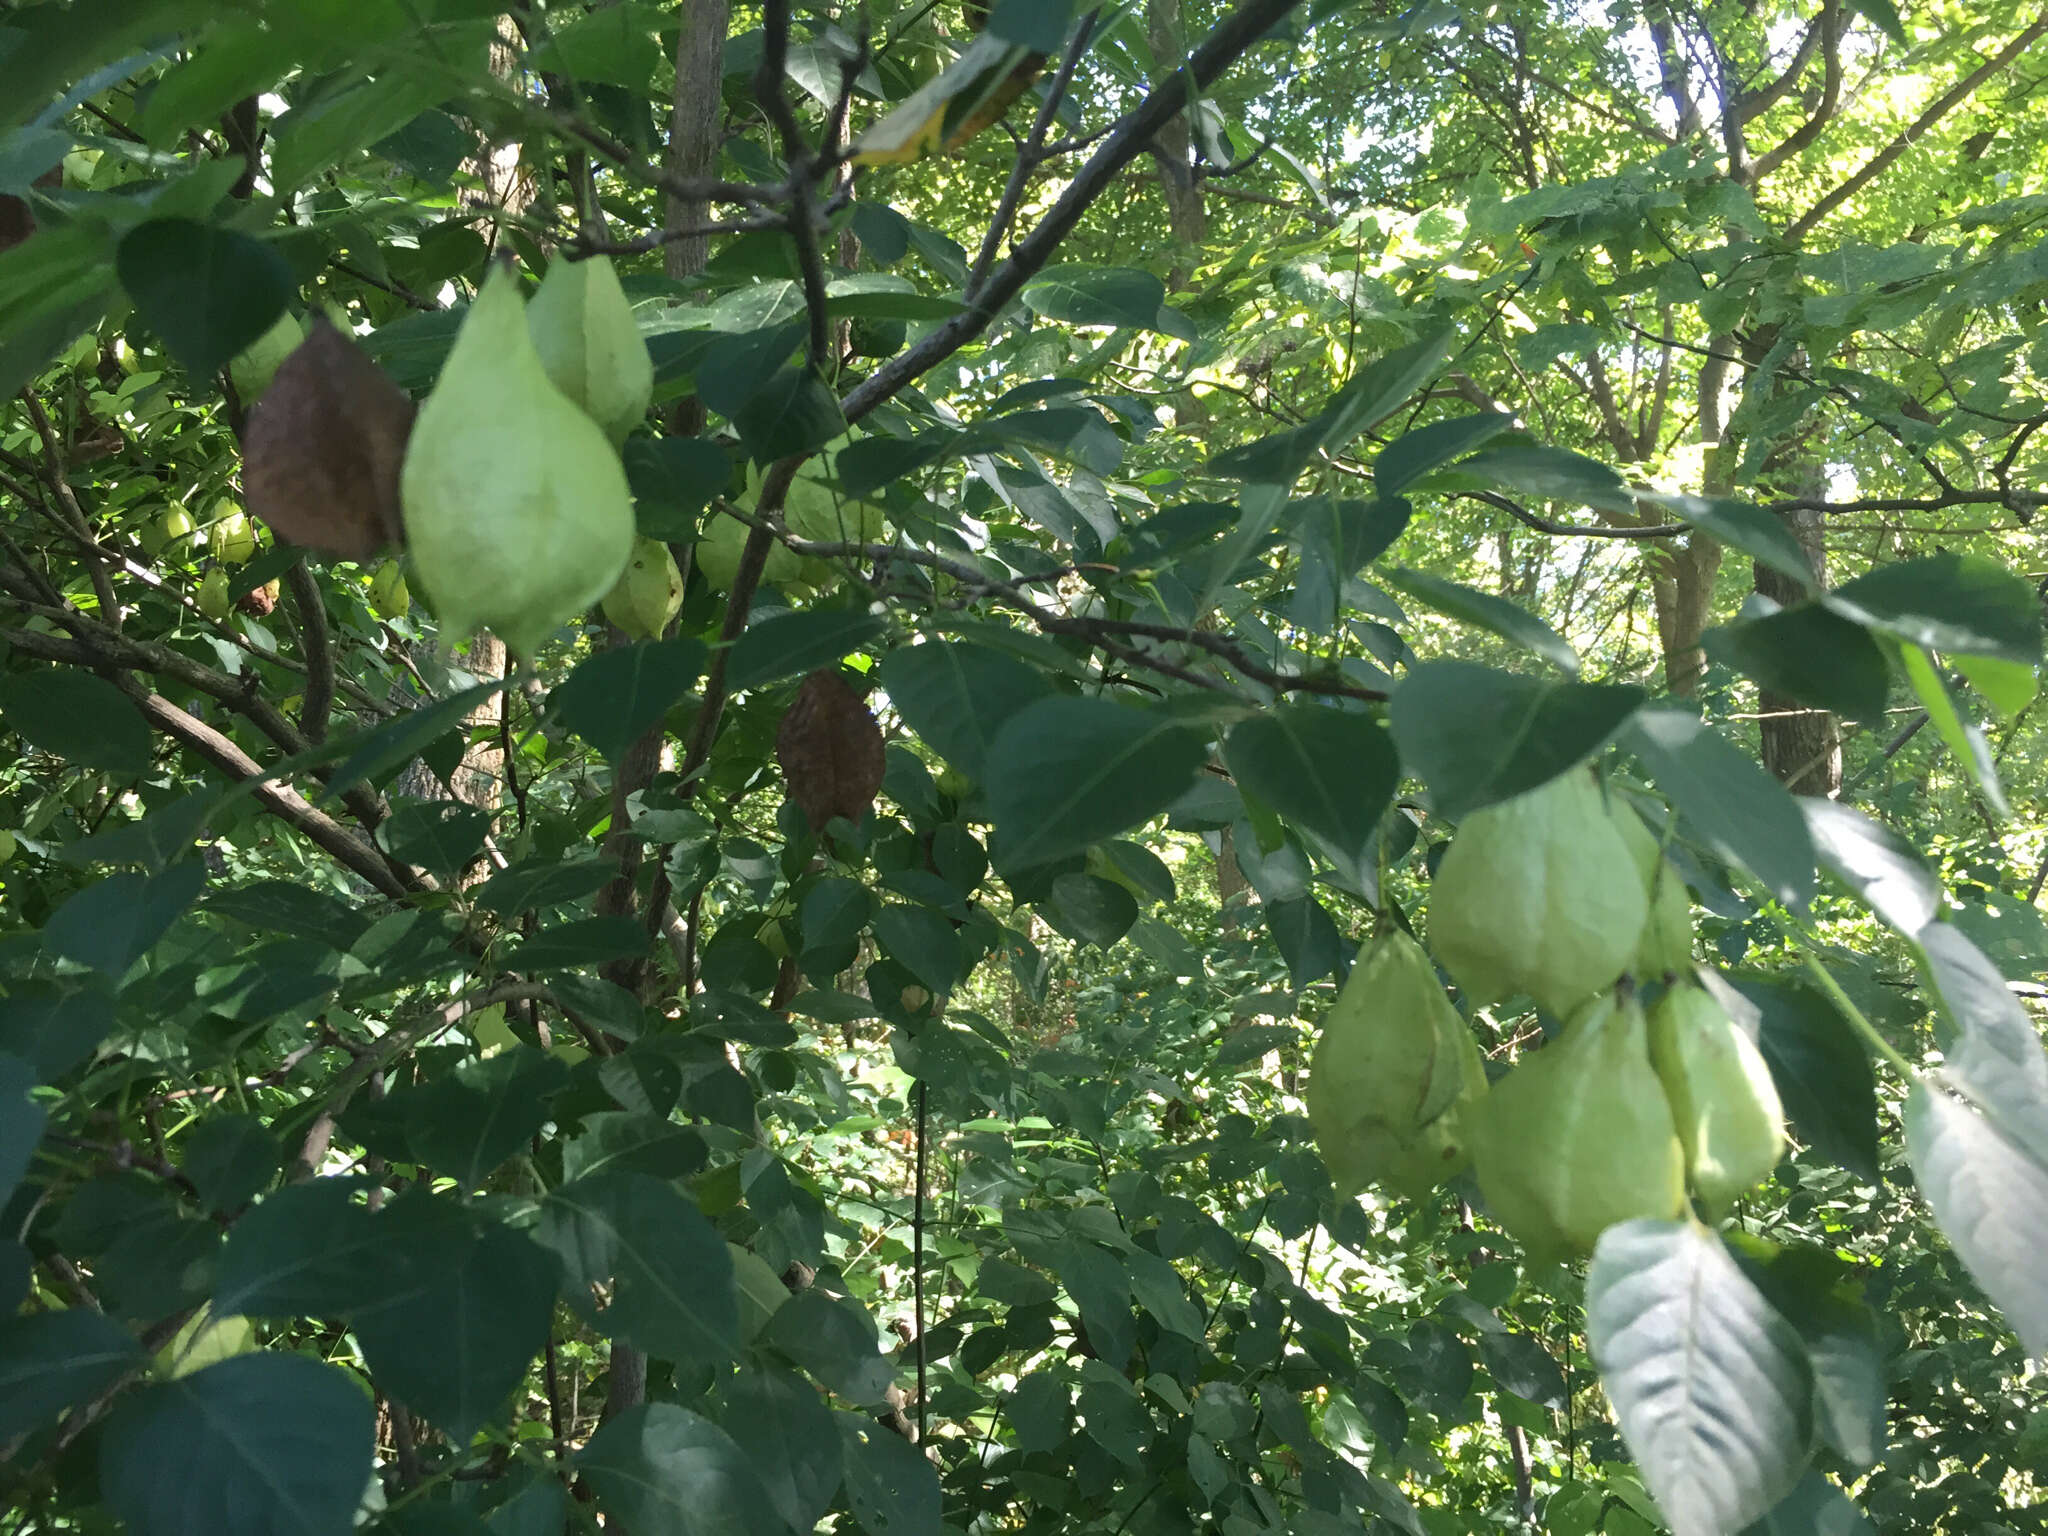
[
  {"x": 1172, "y": 146},
  {"x": 1801, "y": 745}
]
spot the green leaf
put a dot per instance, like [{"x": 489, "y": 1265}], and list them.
[
  {"x": 1066, "y": 772},
  {"x": 230, "y": 1159},
  {"x": 1809, "y": 653},
  {"x": 117, "y": 920},
  {"x": 442, "y": 837},
  {"x": 1734, "y": 805},
  {"x": 894, "y": 1491},
  {"x": 208, "y": 292},
  {"x": 52, "y": 1360},
  {"x": 787, "y": 1434},
  {"x": 1307, "y": 938},
  {"x": 923, "y": 943},
  {"x": 1821, "y": 1070},
  {"x": 1040, "y": 25},
  {"x": 669, "y": 1274},
  {"x": 627, "y": 1143},
  {"x": 309, "y": 1250},
  {"x": 1478, "y": 736},
  {"x": 793, "y": 413},
  {"x": 790, "y": 643},
  {"x": 1414, "y": 454},
  {"x": 1710, "y": 1386},
  {"x": 1874, "y": 862},
  {"x": 614, "y": 698},
  {"x": 1759, "y": 534},
  {"x": 834, "y": 1340},
  {"x": 1381, "y": 387},
  {"x": 1519, "y": 1363},
  {"x": 1125, "y": 297},
  {"x": 585, "y": 944},
  {"x": 1816, "y": 1507},
  {"x": 1821, "y": 1294},
  {"x": 1962, "y": 737},
  {"x": 77, "y": 716},
  {"x": 265, "y": 1444},
  {"x": 1991, "y": 1199},
  {"x": 455, "y": 1346},
  {"x": 1087, "y": 909},
  {"x": 1510, "y": 621},
  {"x": 1963, "y": 604},
  {"x": 957, "y": 696},
  {"x": 1995, "y": 1057},
  {"x": 674, "y": 479},
  {"x": 1552, "y": 474},
  {"x": 1883, "y": 15},
  {"x": 658, "y": 1467},
  {"x": 1329, "y": 772},
  {"x": 386, "y": 747},
  {"x": 52, "y": 1028},
  {"x": 467, "y": 1122},
  {"x": 538, "y": 883},
  {"x": 2009, "y": 686}
]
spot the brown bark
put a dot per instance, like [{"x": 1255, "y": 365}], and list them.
[
  {"x": 1802, "y": 746},
  {"x": 1172, "y": 146}
]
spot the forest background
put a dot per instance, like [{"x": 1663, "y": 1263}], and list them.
[{"x": 840, "y": 1059}]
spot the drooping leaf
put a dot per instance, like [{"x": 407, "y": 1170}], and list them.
[
  {"x": 1330, "y": 772},
  {"x": 1734, "y": 805},
  {"x": 1991, "y": 1199},
  {"x": 1477, "y": 735},
  {"x": 1710, "y": 1385}
]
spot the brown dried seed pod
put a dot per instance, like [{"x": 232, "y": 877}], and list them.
[
  {"x": 831, "y": 750},
  {"x": 323, "y": 448},
  {"x": 260, "y": 602}
]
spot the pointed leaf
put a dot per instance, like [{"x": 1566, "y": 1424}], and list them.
[
  {"x": 617, "y": 696},
  {"x": 1991, "y": 1199},
  {"x": 1477, "y": 735},
  {"x": 51, "y": 1360},
  {"x": 1496, "y": 615},
  {"x": 1328, "y": 771},
  {"x": 1068, "y": 772},
  {"x": 1874, "y": 862},
  {"x": 1710, "y": 1385},
  {"x": 1727, "y": 798},
  {"x": 958, "y": 696}
]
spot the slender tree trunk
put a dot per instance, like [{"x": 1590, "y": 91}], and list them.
[
  {"x": 1172, "y": 147},
  {"x": 1801, "y": 745}
]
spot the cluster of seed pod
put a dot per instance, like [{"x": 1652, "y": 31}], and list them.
[{"x": 1561, "y": 895}]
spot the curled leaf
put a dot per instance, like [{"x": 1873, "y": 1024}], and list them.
[
  {"x": 323, "y": 447},
  {"x": 831, "y": 750}
]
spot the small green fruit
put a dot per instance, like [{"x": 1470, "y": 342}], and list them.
[
  {"x": 1394, "y": 1073},
  {"x": 649, "y": 595},
  {"x": 1539, "y": 894},
  {"x": 1730, "y": 1121},
  {"x": 256, "y": 365},
  {"x": 389, "y": 597},
  {"x": 214, "y": 600},
  {"x": 232, "y": 537},
  {"x": 516, "y": 506},
  {"x": 169, "y": 534},
  {"x": 1580, "y": 1135},
  {"x": 590, "y": 345}
]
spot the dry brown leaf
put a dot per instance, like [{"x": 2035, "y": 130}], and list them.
[
  {"x": 830, "y": 750},
  {"x": 321, "y": 455}
]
